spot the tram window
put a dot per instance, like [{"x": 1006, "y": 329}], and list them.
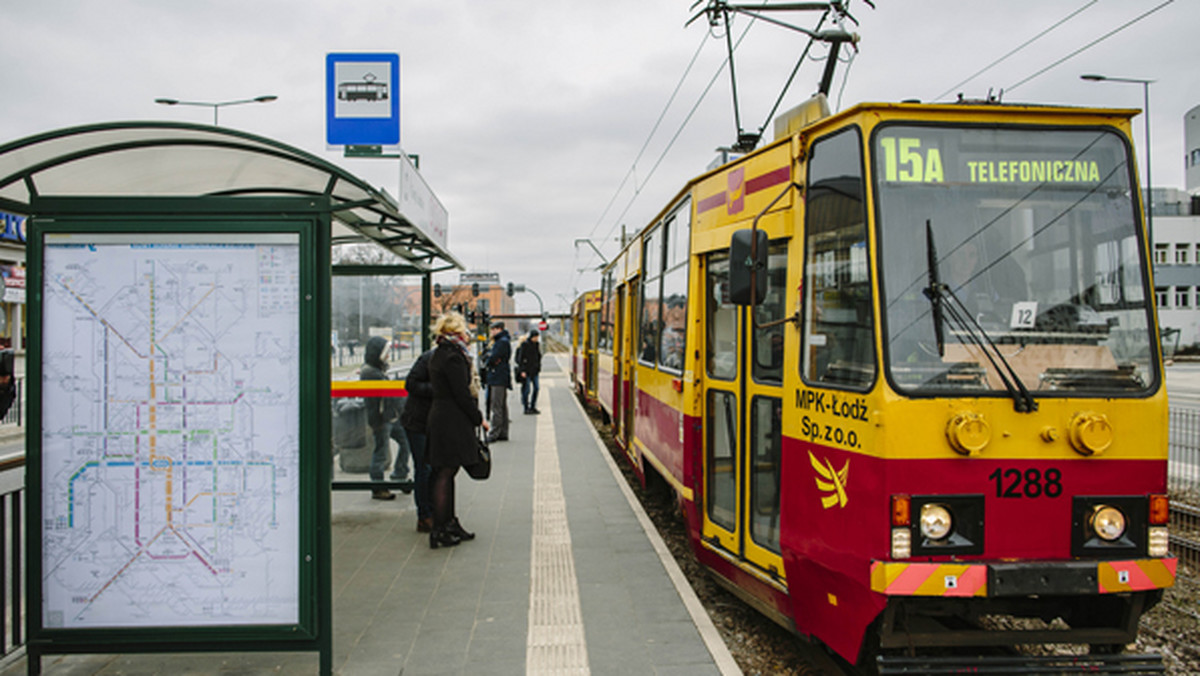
[
  {"x": 674, "y": 315},
  {"x": 651, "y": 296},
  {"x": 838, "y": 324},
  {"x": 721, "y": 350},
  {"x": 606, "y": 315},
  {"x": 721, "y": 497},
  {"x": 768, "y": 342},
  {"x": 766, "y": 434}
]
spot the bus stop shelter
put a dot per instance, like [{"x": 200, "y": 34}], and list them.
[{"x": 171, "y": 267}]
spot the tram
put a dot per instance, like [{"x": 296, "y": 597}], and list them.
[{"x": 900, "y": 367}]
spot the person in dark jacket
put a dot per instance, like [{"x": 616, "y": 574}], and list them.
[
  {"x": 499, "y": 381},
  {"x": 413, "y": 421},
  {"x": 8, "y": 381},
  {"x": 382, "y": 412},
  {"x": 450, "y": 429},
  {"x": 529, "y": 365}
]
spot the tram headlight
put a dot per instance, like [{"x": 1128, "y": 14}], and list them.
[
  {"x": 1108, "y": 523},
  {"x": 936, "y": 521}
]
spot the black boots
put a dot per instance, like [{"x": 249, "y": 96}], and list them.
[
  {"x": 456, "y": 528},
  {"x": 443, "y": 538},
  {"x": 449, "y": 535}
]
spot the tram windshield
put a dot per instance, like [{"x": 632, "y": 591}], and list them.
[{"x": 1011, "y": 254}]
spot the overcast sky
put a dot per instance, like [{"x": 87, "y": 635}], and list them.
[{"x": 528, "y": 115}]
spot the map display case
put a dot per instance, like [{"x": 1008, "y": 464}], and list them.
[{"x": 174, "y": 475}]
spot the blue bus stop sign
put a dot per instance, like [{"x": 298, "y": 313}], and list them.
[{"x": 362, "y": 99}]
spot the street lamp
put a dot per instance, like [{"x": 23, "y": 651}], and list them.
[
  {"x": 1149, "y": 184},
  {"x": 216, "y": 106}
]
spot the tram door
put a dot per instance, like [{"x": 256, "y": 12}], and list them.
[
  {"x": 616, "y": 314},
  {"x": 629, "y": 298},
  {"x": 743, "y": 402},
  {"x": 591, "y": 341}
]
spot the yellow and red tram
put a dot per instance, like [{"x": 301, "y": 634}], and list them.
[{"x": 900, "y": 367}]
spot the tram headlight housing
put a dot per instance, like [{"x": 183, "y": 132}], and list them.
[
  {"x": 1110, "y": 526},
  {"x": 940, "y": 525},
  {"x": 1107, "y": 522},
  {"x": 936, "y": 521}
]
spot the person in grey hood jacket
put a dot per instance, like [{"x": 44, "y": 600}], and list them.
[{"x": 382, "y": 412}]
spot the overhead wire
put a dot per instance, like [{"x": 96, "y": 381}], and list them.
[
  {"x": 1091, "y": 44},
  {"x": 675, "y": 137},
  {"x": 682, "y": 125},
  {"x": 650, "y": 136},
  {"x": 1020, "y": 47}
]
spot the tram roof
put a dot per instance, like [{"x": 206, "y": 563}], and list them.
[{"x": 169, "y": 159}]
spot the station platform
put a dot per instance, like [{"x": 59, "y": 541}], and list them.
[{"x": 566, "y": 576}]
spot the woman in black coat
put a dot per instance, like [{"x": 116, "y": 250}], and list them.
[{"x": 450, "y": 429}]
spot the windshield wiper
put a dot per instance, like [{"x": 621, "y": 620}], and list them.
[
  {"x": 932, "y": 291},
  {"x": 962, "y": 319}
]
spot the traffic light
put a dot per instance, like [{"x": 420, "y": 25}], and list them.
[
  {"x": 510, "y": 288},
  {"x": 437, "y": 290},
  {"x": 474, "y": 288}
]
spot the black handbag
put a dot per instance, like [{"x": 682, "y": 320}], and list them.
[{"x": 482, "y": 468}]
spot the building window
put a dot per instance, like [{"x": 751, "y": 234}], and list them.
[
  {"x": 1163, "y": 294},
  {"x": 1183, "y": 296},
  {"x": 1161, "y": 252},
  {"x": 1181, "y": 253}
]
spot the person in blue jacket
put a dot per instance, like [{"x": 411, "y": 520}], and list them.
[{"x": 499, "y": 381}]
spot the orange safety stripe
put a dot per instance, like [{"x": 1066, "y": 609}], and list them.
[
  {"x": 928, "y": 579},
  {"x": 367, "y": 388},
  {"x": 1125, "y": 576}
]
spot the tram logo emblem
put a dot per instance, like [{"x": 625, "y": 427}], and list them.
[
  {"x": 737, "y": 190},
  {"x": 831, "y": 482}
]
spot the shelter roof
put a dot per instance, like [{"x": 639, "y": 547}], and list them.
[{"x": 167, "y": 159}]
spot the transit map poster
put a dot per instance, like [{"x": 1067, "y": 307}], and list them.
[{"x": 170, "y": 442}]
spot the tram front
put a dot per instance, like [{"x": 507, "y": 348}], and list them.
[{"x": 1026, "y": 439}]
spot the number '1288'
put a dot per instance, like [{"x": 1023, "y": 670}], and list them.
[{"x": 1032, "y": 483}]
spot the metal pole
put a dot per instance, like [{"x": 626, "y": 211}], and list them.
[{"x": 1149, "y": 182}]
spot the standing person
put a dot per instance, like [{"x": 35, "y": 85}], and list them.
[
  {"x": 413, "y": 421},
  {"x": 450, "y": 429},
  {"x": 529, "y": 364},
  {"x": 499, "y": 380},
  {"x": 8, "y": 381},
  {"x": 382, "y": 412}
]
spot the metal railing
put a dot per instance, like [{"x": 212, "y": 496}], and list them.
[
  {"x": 1183, "y": 484},
  {"x": 12, "y": 554}
]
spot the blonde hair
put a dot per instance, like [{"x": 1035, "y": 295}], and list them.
[{"x": 449, "y": 324}]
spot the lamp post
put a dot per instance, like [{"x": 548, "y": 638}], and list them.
[
  {"x": 1149, "y": 183},
  {"x": 216, "y": 105}
]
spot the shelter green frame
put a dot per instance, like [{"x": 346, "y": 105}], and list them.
[{"x": 142, "y": 176}]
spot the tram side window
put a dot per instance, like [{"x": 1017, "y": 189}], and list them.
[
  {"x": 674, "y": 290},
  {"x": 721, "y": 351},
  {"x": 651, "y": 298},
  {"x": 766, "y": 437},
  {"x": 838, "y": 319},
  {"x": 721, "y": 470},
  {"x": 606, "y": 315},
  {"x": 768, "y": 342}
]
